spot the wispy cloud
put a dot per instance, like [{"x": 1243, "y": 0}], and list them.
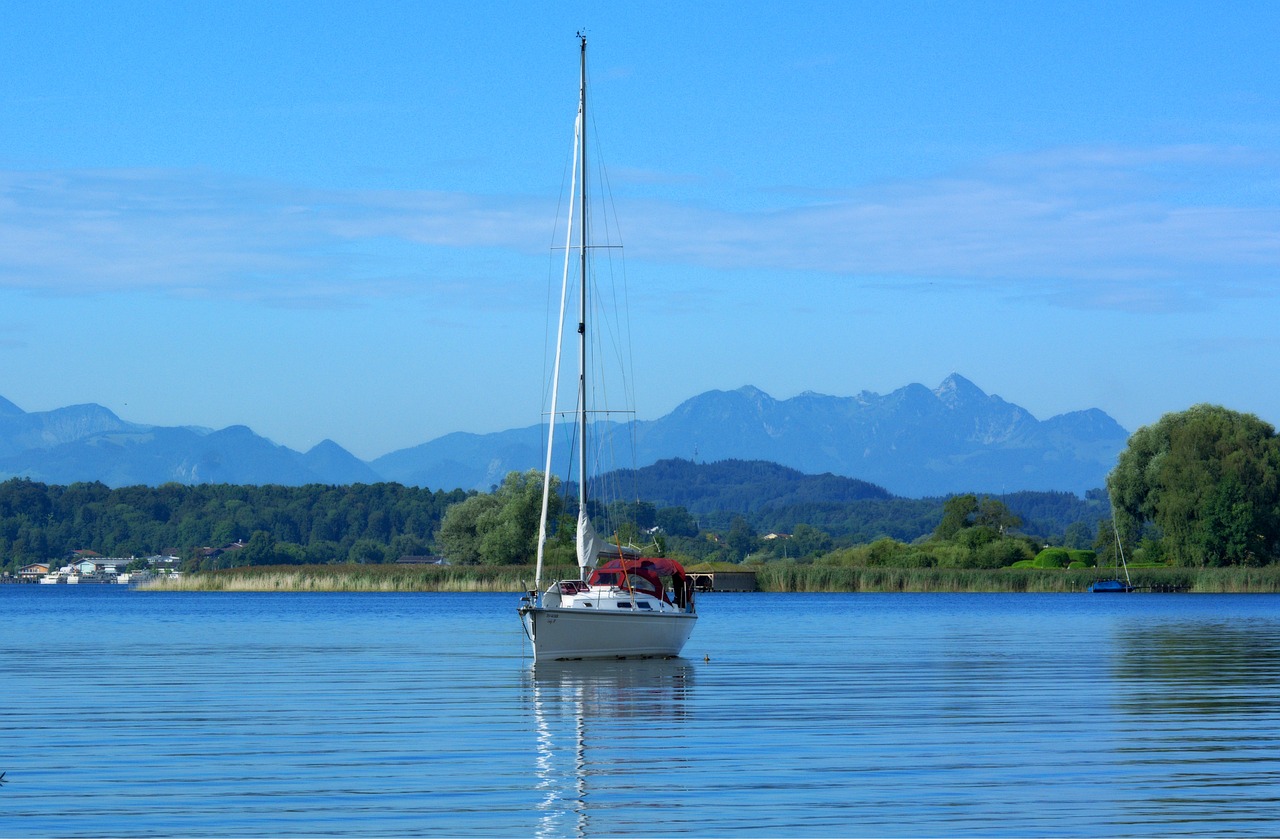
[
  {"x": 1109, "y": 228},
  {"x": 200, "y": 234},
  {"x": 1134, "y": 229}
]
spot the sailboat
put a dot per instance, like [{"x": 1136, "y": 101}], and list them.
[
  {"x": 631, "y": 606},
  {"x": 1116, "y": 586}
]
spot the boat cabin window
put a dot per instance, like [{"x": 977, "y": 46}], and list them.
[
  {"x": 605, "y": 578},
  {"x": 649, "y": 586},
  {"x": 623, "y": 605},
  {"x": 643, "y": 605}
]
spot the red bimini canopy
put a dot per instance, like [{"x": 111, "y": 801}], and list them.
[{"x": 644, "y": 574}]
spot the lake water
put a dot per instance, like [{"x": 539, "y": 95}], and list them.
[{"x": 162, "y": 714}]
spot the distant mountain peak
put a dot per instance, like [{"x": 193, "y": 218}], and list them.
[
  {"x": 956, "y": 390},
  {"x": 89, "y": 442},
  {"x": 915, "y": 441},
  {"x": 752, "y": 392},
  {"x": 325, "y": 446},
  {"x": 331, "y": 460},
  {"x": 8, "y": 409}
]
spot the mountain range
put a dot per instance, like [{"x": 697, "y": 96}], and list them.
[{"x": 913, "y": 442}]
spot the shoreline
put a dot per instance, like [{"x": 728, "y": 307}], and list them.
[{"x": 782, "y": 578}]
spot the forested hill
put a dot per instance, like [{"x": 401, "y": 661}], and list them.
[
  {"x": 275, "y": 524},
  {"x": 776, "y": 498},
  {"x": 374, "y": 523},
  {"x": 741, "y": 486}
]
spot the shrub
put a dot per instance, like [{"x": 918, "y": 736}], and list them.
[
  {"x": 976, "y": 537},
  {"x": 917, "y": 558},
  {"x": 1053, "y": 558},
  {"x": 844, "y": 558},
  {"x": 1083, "y": 558},
  {"x": 1000, "y": 553},
  {"x": 952, "y": 556},
  {"x": 885, "y": 552}
]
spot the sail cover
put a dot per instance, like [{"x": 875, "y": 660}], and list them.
[{"x": 589, "y": 544}]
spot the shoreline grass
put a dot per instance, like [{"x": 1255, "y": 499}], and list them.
[
  {"x": 781, "y": 577},
  {"x": 354, "y": 578},
  {"x": 773, "y": 577}
]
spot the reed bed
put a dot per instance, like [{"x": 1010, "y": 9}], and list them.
[
  {"x": 358, "y": 578},
  {"x": 782, "y": 577},
  {"x": 816, "y": 578},
  {"x": 771, "y": 577}
]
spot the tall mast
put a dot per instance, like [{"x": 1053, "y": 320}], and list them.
[
  {"x": 555, "y": 379},
  {"x": 582, "y": 265}
]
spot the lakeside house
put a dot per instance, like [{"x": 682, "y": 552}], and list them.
[
  {"x": 86, "y": 566},
  {"x": 98, "y": 569},
  {"x": 34, "y": 571},
  {"x": 213, "y": 553}
]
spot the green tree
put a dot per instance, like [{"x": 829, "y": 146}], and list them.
[
  {"x": 958, "y": 512},
  {"x": 1078, "y": 535},
  {"x": 367, "y": 552},
  {"x": 260, "y": 549},
  {"x": 741, "y": 538},
  {"x": 993, "y": 513},
  {"x": 808, "y": 541},
  {"x": 500, "y": 528},
  {"x": 1209, "y": 479},
  {"x": 463, "y": 527},
  {"x": 676, "y": 521},
  {"x": 1104, "y": 545},
  {"x": 973, "y": 521}
]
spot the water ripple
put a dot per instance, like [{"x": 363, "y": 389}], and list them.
[{"x": 815, "y": 715}]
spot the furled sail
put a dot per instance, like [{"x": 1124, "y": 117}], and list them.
[{"x": 589, "y": 543}]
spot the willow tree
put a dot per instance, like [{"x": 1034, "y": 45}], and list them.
[{"x": 1209, "y": 479}]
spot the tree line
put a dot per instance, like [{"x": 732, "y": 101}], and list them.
[
  {"x": 373, "y": 523},
  {"x": 971, "y": 531},
  {"x": 277, "y": 524}
]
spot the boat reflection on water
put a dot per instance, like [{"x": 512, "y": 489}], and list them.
[{"x": 605, "y": 730}]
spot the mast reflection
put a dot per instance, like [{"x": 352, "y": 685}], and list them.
[{"x": 591, "y": 719}]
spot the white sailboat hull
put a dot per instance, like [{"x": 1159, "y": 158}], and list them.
[{"x": 577, "y": 633}]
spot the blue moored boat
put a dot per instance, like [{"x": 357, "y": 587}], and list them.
[{"x": 1115, "y": 586}]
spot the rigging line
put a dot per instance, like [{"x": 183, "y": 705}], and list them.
[
  {"x": 623, "y": 347},
  {"x": 629, "y": 384},
  {"x": 578, "y": 146},
  {"x": 568, "y": 173},
  {"x": 625, "y": 317},
  {"x": 618, "y": 334},
  {"x": 621, "y": 344}
]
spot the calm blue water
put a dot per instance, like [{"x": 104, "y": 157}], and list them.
[{"x": 147, "y": 714}]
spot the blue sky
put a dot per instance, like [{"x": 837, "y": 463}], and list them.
[{"x": 335, "y": 220}]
